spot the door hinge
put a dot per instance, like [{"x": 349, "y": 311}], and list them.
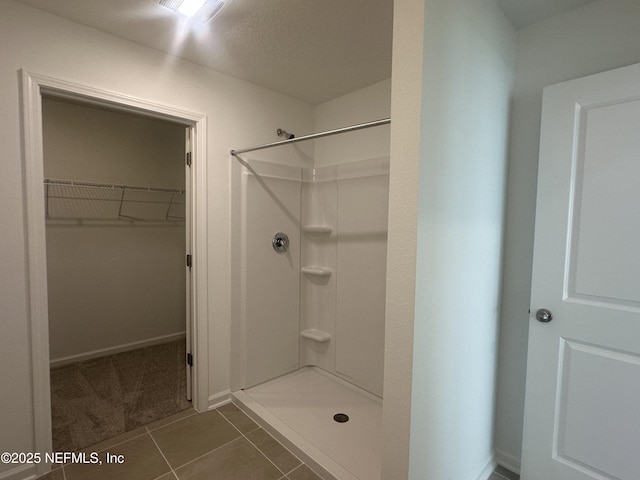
[
  {"x": 189, "y": 261},
  {"x": 189, "y": 359},
  {"x": 189, "y": 159}
]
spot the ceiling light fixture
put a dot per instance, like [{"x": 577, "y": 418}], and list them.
[
  {"x": 199, "y": 10},
  {"x": 190, "y": 7}
]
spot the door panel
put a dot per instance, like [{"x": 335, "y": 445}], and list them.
[
  {"x": 605, "y": 252},
  {"x": 598, "y": 384},
  {"x": 582, "y": 419}
]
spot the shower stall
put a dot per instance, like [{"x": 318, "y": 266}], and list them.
[{"x": 308, "y": 287}]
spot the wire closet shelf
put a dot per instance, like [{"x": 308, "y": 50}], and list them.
[{"x": 74, "y": 200}]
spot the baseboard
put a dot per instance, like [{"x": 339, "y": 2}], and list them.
[
  {"x": 219, "y": 399},
  {"x": 23, "y": 472},
  {"x": 103, "y": 352},
  {"x": 508, "y": 461},
  {"x": 487, "y": 469}
]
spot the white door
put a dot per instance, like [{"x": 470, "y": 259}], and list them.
[{"x": 582, "y": 409}]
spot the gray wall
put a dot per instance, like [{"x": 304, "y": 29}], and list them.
[{"x": 111, "y": 284}]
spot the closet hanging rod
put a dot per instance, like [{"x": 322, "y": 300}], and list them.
[{"x": 312, "y": 136}]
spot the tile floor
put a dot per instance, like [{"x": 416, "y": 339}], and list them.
[
  {"x": 502, "y": 473},
  {"x": 222, "y": 444}
]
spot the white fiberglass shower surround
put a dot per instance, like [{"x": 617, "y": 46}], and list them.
[{"x": 310, "y": 242}]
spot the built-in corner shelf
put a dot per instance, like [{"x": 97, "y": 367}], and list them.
[
  {"x": 315, "y": 335},
  {"x": 317, "y": 271},
  {"x": 317, "y": 229}
]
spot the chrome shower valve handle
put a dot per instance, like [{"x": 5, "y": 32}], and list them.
[{"x": 280, "y": 242}]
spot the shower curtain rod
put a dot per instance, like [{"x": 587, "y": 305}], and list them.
[{"x": 375, "y": 123}]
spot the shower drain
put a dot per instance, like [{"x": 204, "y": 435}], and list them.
[{"x": 341, "y": 417}]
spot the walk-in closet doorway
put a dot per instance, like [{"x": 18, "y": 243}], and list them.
[
  {"x": 114, "y": 191},
  {"x": 91, "y": 202}
]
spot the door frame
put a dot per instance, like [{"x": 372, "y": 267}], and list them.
[{"x": 33, "y": 87}]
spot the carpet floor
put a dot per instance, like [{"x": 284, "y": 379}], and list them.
[{"x": 100, "y": 398}]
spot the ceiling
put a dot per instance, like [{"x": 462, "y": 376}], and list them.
[
  {"x": 311, "y": 50},
  {"x": 523, "y": 13}
]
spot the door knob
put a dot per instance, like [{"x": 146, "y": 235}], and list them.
[{"x": 543, "y": 315}]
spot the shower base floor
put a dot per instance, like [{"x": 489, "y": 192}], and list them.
[{"x": 298, "y": 409}]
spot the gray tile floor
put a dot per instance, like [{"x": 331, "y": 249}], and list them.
[
  {"x": 222, "y": 444},
  {"x": 502, "y": 473}
]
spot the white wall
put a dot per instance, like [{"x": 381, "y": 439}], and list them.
[
  {"x": 468, "y": 74},
  {"x": 111, "y": 285},
  {"x": 597, "y": 37},
  {"x": 364, "y": 105},
  {"x": 239, "y": 114},
  {"x": 406, "y": 112}
]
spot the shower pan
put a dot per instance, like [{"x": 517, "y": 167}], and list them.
[{"x": 308, "y": 294}]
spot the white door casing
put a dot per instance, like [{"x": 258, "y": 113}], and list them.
[
  {"x": 33, "y": 86},
  {"x": 582, "y": 406},
  {"x": 189, "y": 133}
]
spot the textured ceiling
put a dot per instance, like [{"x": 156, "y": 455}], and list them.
[{"x": 314, "y": 50}]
